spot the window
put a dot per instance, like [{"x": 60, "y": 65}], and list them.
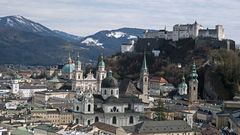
[
  {"x": 114, "y": 120},
  {"x": 77, "y": 108},
  {"x": 89, "y": 108},
  {"x": 131, "y": 120},
  {"x": 96, "y": 119},
  {"x": 105, "y": 92},
  {"x": 129, "y": 106},
  {"x": 111, "y": 92},
  {"x": 89, "y": 122},
  {"x": 114, "y": 109},
  {"x": 145, "y": 79},
  {"x": 77, "y": 120},
  {"x": 194, "y": 88}
]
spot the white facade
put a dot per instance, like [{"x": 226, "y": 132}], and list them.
[
  {"x": 127, "y": 47},
  {"x": 182, "y": 31},
  {"x": 89, "y": 84},
  {"x": 25, "y": 91}
]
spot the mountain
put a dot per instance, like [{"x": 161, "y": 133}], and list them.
[
  {"x": 67, "y": 36},
  {"x": 23, "y": 41},
  {"x": 111, "y": 40},
  {"x": 23, "y": 24}
]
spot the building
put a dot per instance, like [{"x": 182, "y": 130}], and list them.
[
  {"x": 58, "y": 98},
  {"x": 52, "y": 115},
  {"x": 144, "y": 81},
  {"x": 108, "y": 107},
  {"x": 25, "y": 90},
  {"x": 88, "y": 84},
  {"x": 45, "y": 129},
  {"x": 182, "y": 87},
  {"x": 193, "y": 85},
  {"x": 127, "y": 47},
  {"x": 182, "y": 31},
  {"x": 171, "y": 127},
  {"x": 155, "y": 85},
  {"x": 234, "y": 122}
]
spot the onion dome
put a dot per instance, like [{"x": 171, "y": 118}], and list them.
[
  {"x": 101, "y": 62},
  {"x": 78, "y": 62},
  {"x": 109, "y": 81},
  {"x": 183, "y": 85},
  {"x": 68, "y": 68},
  {"x": 194, "y": 74}
]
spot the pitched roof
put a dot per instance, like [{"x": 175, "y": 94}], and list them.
[
  {"x": 105, "y": 127},
  {"x": 128, "y": 88}
]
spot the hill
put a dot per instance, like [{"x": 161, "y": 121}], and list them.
[
  {"x": 24, "y": 41},
  {"x": 183, "y": 52}
]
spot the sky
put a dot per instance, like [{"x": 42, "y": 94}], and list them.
[{"x": 86, "y": 17}]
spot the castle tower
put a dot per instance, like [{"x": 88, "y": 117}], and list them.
[
  {"x": 101, "y": 72},
  {"x": 78, "y": 75},
  {"x": 220, "y": 32},
  {"x": 193, "y": 85},
  {"x": 144, "y": 80}
]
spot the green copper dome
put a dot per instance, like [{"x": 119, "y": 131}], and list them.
[
  {"x": 68, "y": 68},
  {"x": 109, "y": 81},
  {"x": 183, "y": 84}
]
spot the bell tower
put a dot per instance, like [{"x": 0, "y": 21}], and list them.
[
  {"x": 193, "y": 85},
  {"x": 144, "y": 80},
  {"x": 101, "y": 72},
  {"x": 78, "y": 75}
]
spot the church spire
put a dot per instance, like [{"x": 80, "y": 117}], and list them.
[
  {"x": 78, "y": 62},
  {"x": 101, "y": 63},
  {"x": 194, "y": 74},
  {"x": 69, "y": 58},
  {"x": 144, "y": 65}
]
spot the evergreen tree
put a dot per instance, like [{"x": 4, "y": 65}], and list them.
[{"x": 160, "y": 112}]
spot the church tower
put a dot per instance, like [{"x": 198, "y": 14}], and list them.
[
  {"x": 101, "y": 72},
  {"x": 144, "y": 80},
  {"x": 78, "y": 75},
  {"x": 193, "y": 85}
]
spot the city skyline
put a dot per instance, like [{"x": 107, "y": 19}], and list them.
[{"x": 83, "y": 18}]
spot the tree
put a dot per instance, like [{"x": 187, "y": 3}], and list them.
[{"x": 160, "y": 112}]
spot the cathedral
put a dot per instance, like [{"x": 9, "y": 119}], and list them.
[
  {"x": 108, "y": 107},
  {"x": 73, "y": 71},
  {"x": 106, "y": 104}
]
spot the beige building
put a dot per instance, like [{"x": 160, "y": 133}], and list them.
[{"x": 52, "y": 115}]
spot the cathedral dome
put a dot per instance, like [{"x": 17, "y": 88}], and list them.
[
  {"x": 68, "y": 68},
  {"x": 109, "y": 81}
]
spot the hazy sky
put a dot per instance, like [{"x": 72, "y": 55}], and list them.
[{"x": 84, "y": 17}]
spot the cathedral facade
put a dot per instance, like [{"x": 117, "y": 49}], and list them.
[{"x": 73, "y": 72}]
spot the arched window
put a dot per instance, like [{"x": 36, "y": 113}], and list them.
[
  {"x": 77, "y": 108},
  {"x": 114, "y": 120},
  {"x": 77, "y": 121},
  {"x": 131, "y": 120},
  {"x": 105, "y": 92},
  {"x": 88, "y": 122},
  {"x": 111, "y": 92},
  {"x": 96, "y": 119},
  {"x": 145, "y": 79},
  {"x": 89, "y": 108}
]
